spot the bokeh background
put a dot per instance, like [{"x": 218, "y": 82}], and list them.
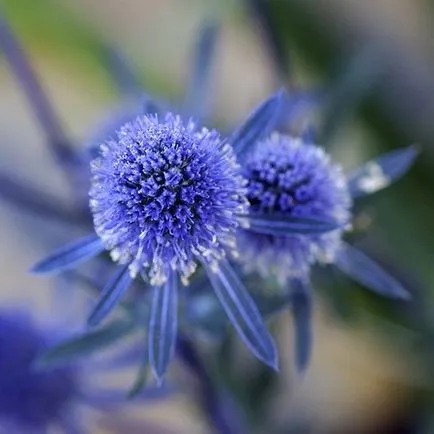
[{"x": 372, "y": 369}]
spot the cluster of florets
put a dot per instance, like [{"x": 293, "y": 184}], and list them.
[
  {"x": 164, "y": 194},
  {"x": 288, "y": 177}
]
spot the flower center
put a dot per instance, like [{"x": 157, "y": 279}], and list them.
[{"x": 165, "y": 193}]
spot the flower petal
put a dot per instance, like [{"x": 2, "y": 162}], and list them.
[
  {"x": 197, "y": 97},
  {"x": 381, "y": 172},
  {"x": 70, "y": 255},
  {"x": 84, "y": 345},
  {"x": 301, "y": 305},
  {"x": 281, "y": 225},
  {"x": 367, "y": 272},
  {"x": 258, "y": 124},
  {"x": 110, "y": 296},
  {"x": 163, "y": 325},
  {"x": 243, "y": 313}
]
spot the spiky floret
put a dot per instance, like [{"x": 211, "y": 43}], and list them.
[
  {"x": 287, "y": 177},
  {"x": 164, "y": 194}
]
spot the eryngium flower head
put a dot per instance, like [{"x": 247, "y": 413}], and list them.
[
  {"x": 31, "y": 401},
  {"x": 288, "y": 177},
  {"x": 164, "y": 194}
]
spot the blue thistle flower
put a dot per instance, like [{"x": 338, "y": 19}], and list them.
[
  {"x": 290, "y": 177},
  {"x": 165, "y": 195},
  {"x": 286, "y": 176},
  {"x": 37, "y": 400}
]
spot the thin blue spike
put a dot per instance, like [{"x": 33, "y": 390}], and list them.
[
  {"x": 243, "y": 313},
  {"x": 163, "y": 326},
  {"x": 198, "y": 96},
  {"x": 38, "y": 202},
  {"x": 258, "y": 124},
  {"x": 364, "y": 270},
  {"x": 110, "y": 296},
  {"x": 282, "y": 225},
  {"x": 121, "y": 72},
  {"x": 70, "y": 255},
  {"x": 301, "y": 306},
  {"x": 60, "y": 146},
  {"x": 297, "y": 105},
  {"x": 381, "y": 172}
]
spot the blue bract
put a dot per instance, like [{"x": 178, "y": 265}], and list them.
[
  {"x": 287, "y": 177},
  {"x": 164, "y": 195}
]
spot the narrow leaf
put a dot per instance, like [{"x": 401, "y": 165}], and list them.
[
  {"x": 258, "y": 125},
  {"x": 84, "y": 345},
  {"x": 301, "y": 306},
  {"x": 163, "y": 325},
  {"x": 70, "y": 255},
  {"x": 243, "y": 313},
  {"x": 197, "y": 97},
  {"x": 381, "y": 172},
  {"x": 367, "y": 272},
  {"x": 282, "y": 225},
  {"x": 110, "y": 296}
]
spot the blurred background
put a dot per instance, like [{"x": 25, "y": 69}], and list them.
[{"x": 372, "y": 369}]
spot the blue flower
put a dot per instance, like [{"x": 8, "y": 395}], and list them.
[
  {"x": 293, "y": 178},
  {"x": 286, "y": 176},
  {"x": 37, "y": 400},
  {"x": 165, "y": 195}
]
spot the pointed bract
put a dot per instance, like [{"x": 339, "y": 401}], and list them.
[
  {"x": 163, "y": 325},
  {"x": 301, "y": 306},
  {"x": 281, "y": 225},
  {"x": 367, "y": 272},
  {"x": 110, "y": 296},
  {"x": 381, "y": 172},
  {"x": 243, "y": 313},
  {"x": 70, "y": 255},
  {"x": 258, "y": 125},
  {"x": 121, "y": 72},
  {"x": 197, "y": 97}
]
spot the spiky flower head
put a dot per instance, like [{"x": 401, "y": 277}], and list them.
[
  {"x": 288, "y": 177},
  {"x": 164, "y": 194},
  {"x": 31, "y": 401}
]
